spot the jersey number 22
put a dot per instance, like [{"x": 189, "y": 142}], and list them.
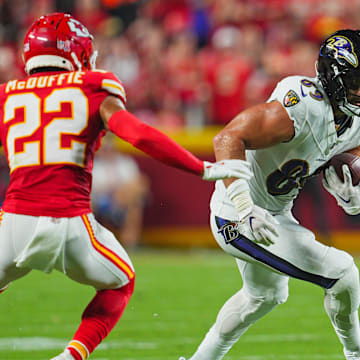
[{"x": 53, "y": 151}]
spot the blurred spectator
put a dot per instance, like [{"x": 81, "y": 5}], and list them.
[
  {"x": 327, "y": 18},
  {"x": 89, "y": 12},
  {"x": 42, "y": 7},
  {"x": 302, "y": 58},
  {"x": 8, "y": 64},
  {"x": 184, "y": 78},
  {"x": 122, "y": 60},
  {"x": 119, "y": 193},
  {"x": 230, "y": 12},
  {"x": 226, "y": 71},
  {"x": 125, "y": 10},
  {"x": 189, "y": 63}
]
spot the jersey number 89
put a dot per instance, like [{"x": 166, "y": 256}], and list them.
[
  {"x": 53, "y": 151},
  {"x": 290, "y": 176}
]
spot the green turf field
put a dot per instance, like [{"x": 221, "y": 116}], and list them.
[{"x": 176, "y": 299}]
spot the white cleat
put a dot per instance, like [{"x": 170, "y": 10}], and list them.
[
  {"x": 64, "y": 356},
  {"x": 182, "y": 358},
  {"x": 351, "y": 355}
]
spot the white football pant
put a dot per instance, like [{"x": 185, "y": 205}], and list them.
[
  {"x": 265, "y": 272},
  {"x": 79, "y": 247}
]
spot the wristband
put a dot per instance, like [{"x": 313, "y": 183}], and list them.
[{"x": 239, "y": 193}]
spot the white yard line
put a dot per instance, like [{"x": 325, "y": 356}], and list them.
[
  {"x": 31, "y": 343},
  {"x": 289, "y": 357},
  {"x": 45, "y": 343},
  {"x": 128, "y": 345},
  {"x": 280, "y": 337}
]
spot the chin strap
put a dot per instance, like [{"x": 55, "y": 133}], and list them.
[
  {"x": 76, "y": 61},
  {"x": 349, "y": 109},
  {"x": 343, "y": 124},
  {"x": 92, "y": 60}
]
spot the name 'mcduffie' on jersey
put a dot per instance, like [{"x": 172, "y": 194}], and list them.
[{"x": 51, "y": 130}]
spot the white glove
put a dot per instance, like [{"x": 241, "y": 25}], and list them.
[
  {"x": 252, "y": 218},
  {"x": 226, "y": 169},
  {"x": 261, "y": 224},
  {"x": 346, "y": 194}
]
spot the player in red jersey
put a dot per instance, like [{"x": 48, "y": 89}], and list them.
[{"x": 51, "y": 125}]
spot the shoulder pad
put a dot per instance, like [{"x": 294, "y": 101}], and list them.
[
  {"x": 108, "y": 82},
  {"x": 303, "y": 99}
]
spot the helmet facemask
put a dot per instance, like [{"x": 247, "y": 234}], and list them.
[
  {"x": 351, "y": 103},
  {"x": 338, "y": 71}
]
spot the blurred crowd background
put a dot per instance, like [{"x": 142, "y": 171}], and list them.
[
  {"x": 187, "y": 64},
  {"x": 190, "y": 62}
]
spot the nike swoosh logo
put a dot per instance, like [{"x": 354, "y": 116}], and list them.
[
  {"x": 344, "y": 200},
  {"x": 302, "y": 92},
  {"x": 251, "y": 218}
]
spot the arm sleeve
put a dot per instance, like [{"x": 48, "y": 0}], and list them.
[{"x": 153, "y": 142}]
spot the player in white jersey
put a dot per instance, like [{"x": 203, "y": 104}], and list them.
[{"x": 305, "y": 122}]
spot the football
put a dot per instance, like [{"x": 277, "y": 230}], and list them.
[{"x": 352, "y": 159}]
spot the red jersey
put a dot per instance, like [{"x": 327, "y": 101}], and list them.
[{"x": 50, "y": 129}]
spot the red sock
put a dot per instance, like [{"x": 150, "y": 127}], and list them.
[
  {"x": 4, "y": 288},
  {"x": 98, "y": 319}
]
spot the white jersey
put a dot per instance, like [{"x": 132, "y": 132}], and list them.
[{"x": 281, "y": 170}]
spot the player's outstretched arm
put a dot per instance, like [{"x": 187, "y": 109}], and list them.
[
  {"x": 159, "y": 146},
  {"x": 260, "y": 126}
]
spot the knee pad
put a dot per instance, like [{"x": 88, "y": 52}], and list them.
[
  {"x": 242, "y": 310},
  {"x": 344, "y": 296},
  {"x": 258, "y": 306},
  {"x": 277, "y": 294}
]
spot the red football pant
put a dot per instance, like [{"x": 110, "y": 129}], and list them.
[{"x": 99, "y": 318}]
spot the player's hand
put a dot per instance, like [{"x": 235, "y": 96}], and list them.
[
  {"x": 226, "y": 169},
  {"x": 261, "y": 224},
  {"x": 252, "y": 218},
  {"x": 346, "y": 194}
]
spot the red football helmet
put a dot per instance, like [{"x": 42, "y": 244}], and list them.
[{"x": 59, "y": 40}]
